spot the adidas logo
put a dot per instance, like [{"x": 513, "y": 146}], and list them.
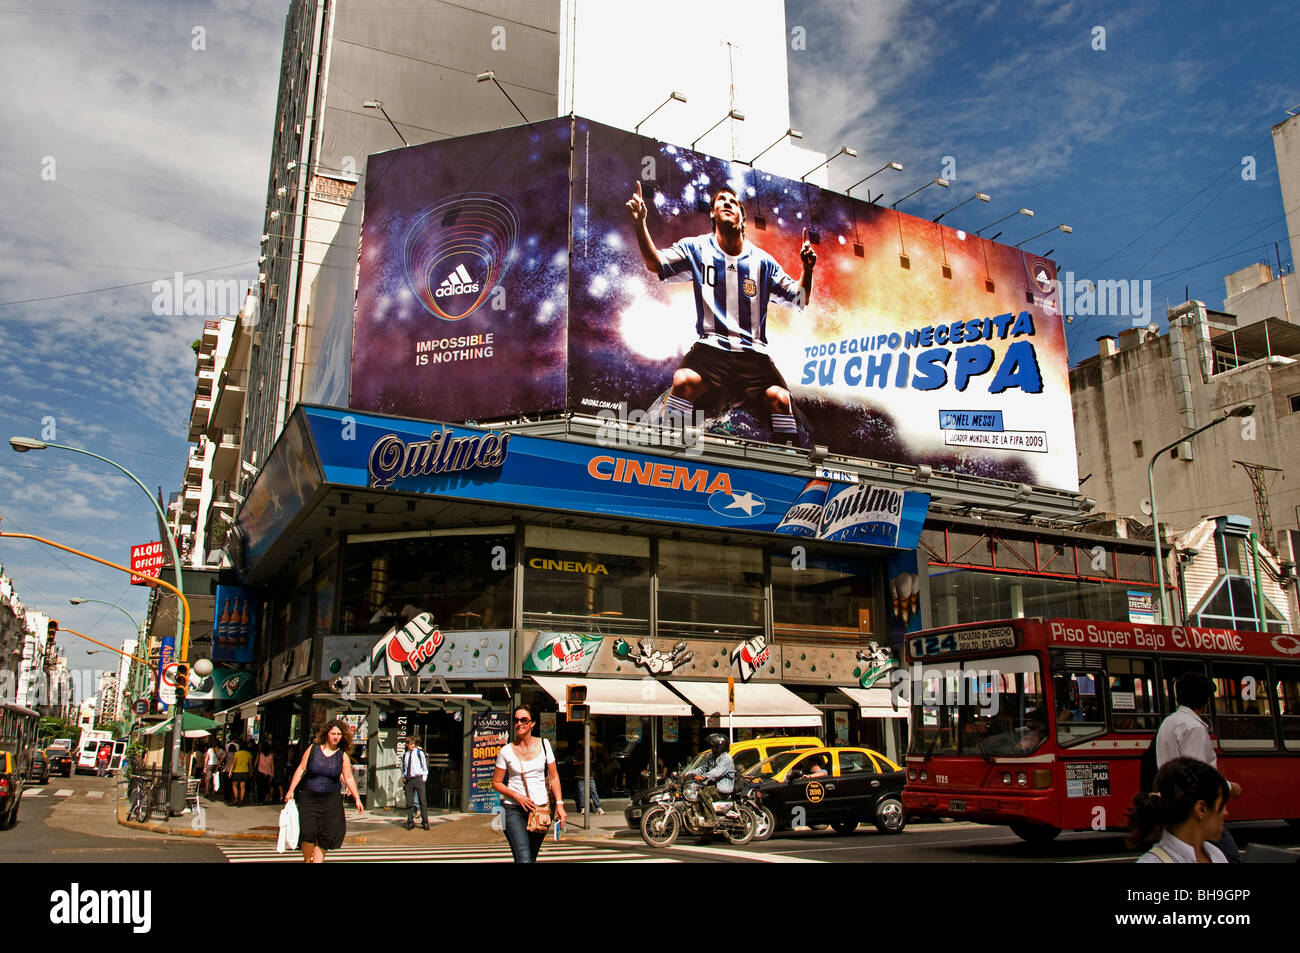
[{"x": 457, "y": 283}]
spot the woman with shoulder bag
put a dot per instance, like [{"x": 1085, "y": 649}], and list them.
[
  {"x": 529, "y": 786},
  {"x": 322, "y": 824}
]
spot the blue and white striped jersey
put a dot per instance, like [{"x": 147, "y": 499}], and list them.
[{"x": 731, "y": 294}]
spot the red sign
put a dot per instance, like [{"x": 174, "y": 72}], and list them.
[
  {"x": 148, "y": 559},
  {"x": 1161, "y": 638}
]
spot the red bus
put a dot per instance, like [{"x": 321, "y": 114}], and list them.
[{"x": 1041, "y": 723}]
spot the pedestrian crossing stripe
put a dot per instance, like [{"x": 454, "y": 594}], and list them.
[
  {"x": 94, "y": 794},
  {"x": 500, "y": 853}
]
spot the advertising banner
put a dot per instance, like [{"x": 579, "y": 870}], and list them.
[
  {"x": 166, "y": 658},
  {"x": 224, "y": 684},
  {"x": 463, "y": 290},
  {"x": 234, "y": 624},
  {"x": 917, "y": 343},
  {"x": 286, "y": 482},
  {"x": 570, "y": 652},
  {"x": 491, "y": 733},
  {"x": 410, "y": 649},
  {"x": 148, "y": 559},
  {"x": 472, "y": 464}
]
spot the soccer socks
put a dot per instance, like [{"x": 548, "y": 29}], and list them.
[
  {"x": 678, "y": 413},
  {"x": 783, "y": 423}
]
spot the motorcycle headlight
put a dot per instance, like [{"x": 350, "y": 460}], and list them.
[{"x": 691, "y": 791}]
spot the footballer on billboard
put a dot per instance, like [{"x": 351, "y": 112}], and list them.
[{"x": 750, "y": 305}]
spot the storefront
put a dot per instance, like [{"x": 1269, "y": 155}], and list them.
[{"x": 425, "y": 585}]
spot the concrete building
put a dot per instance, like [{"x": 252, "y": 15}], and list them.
[
  {"x": 1141, "y": 392},
  {"x": 1267, "y": 288},
  {"x": 108, "y": 698},
  {"x": 420, "y": 63}
]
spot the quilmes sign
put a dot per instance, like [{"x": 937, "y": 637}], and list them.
[{"x": 392, "y": 458}]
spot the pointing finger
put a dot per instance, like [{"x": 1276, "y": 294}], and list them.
[
  {"x": 638, "y": 188},
  {"x": 805, "y": 235}
]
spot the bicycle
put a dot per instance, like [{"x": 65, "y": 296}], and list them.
[{"x": 146, "y": 794}]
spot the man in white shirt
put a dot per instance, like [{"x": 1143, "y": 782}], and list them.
[
  {"x": 415, "y": 771},
  {"x": 1186, "y": 734}
]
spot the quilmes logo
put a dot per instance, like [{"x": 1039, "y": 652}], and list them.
[
  {"x": 391, "y": 457},
  {"x": 405, "y": 650},
  {"x": 458, "y": 282}
]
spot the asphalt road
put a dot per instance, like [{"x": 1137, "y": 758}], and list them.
[{"x": 72, "y": 820}]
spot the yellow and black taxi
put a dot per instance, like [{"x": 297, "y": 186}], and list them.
[
  {"x": 842, "y": 787},
  {"x": 59, "y": 760},
  {"x": 747, "y": 755},
  {"x": 11, "y": 790},
  {"x": 38, "y": 769}
]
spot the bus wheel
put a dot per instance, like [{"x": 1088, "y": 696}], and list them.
[{"x": 1035, "y": 833}]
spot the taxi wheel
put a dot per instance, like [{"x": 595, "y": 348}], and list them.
[{"x": 890, "y": 816}]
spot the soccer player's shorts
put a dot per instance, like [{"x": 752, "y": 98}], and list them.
[{"x": 733, "y": 375}]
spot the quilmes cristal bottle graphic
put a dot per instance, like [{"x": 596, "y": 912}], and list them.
[
  {"x": 245, "y": 630},
  {"x": 223, "y": 626}
]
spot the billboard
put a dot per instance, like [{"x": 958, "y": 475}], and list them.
[
  {"x": 463, "y": 287},
  {"x": 917, "y": 343},
  {"x": 146, "y": 558},
  {"x": 505, "y": 274}
]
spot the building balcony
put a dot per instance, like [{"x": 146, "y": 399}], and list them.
[
  {"x": 228, "y": 404},
  {"x": 194, "y": 466},
  {"x": 191, "y": 498},
  {"x": 225, "y": 457},
  {"x": 199, "y": 417}
]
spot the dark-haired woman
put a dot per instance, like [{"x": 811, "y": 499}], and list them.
[
  {"x": 1185, "y": 814},
  {"x": 320, "y": 808},
  {"x": 526, "y": 779}
]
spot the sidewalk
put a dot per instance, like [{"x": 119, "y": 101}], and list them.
[{"x": 262, "y": 822}]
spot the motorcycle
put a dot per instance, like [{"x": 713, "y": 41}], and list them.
[
  {"x": 749, "y": 794},
  {"x": 677, "y": 809}
]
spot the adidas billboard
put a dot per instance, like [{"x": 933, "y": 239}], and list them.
[{"x": 459, "y": 282}]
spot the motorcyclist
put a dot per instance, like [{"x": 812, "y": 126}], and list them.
[{"x": 718, "y": 774}]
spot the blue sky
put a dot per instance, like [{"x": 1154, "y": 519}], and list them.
[{"x": 137, "y": 142}]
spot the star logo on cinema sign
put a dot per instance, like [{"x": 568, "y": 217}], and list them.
[{"x": 739, "y": 504}]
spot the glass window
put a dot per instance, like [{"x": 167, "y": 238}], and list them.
[
  {"x": 1079, "y": 710},
  {"x": 856, "y": 761},
  {"x": 825, "y": 598},
  {"x": 744, "y": 760},
  {"x": 709, "y": 589},
  {"x": 465, "y": 582},
  {"x": 1287, "y": 692},
  {"x": 1131, "y": 687},
  {"x": 988, "y": 707},
  {"x": 959, "y": 596},
  {"x": 1231, "y": 605},
  {"x": 1243, "y": 704},
  {"x": 586, "y": 582}
]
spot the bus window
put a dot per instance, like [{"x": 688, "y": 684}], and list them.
[
  {"x": 1132, "y": 691},
  {"x": 1288, "y": 696},
  {"x": 1079, "y": 711},
  {"x": 1244, "y": 705},
  {"x": 1170, "y": 669}
]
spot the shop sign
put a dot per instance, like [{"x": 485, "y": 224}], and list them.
[
  {"x": 877, "y": 661},
  {"x": 392, "y": 458},
  {"x": 651, "y": 659},
  {"x": 146, "y": 558},
  {"x": 404, "y": 650},
  {"x": 491, "y": 733},
  {"x": 349, "y": 686},
  {"x": 750, "y": 656},
  {"x": 560, "y": 565},
  {"x": 562, "y": 652}
]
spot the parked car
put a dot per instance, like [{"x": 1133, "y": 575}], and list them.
[
  {"x": 746, "y": 755},
  {"x": 60, "y": 760},
  {"x": 38, "y": 771},
  {"x": 842, "y": 787}
]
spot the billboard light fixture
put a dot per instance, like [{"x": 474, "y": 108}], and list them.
[
  {"x": 1055, "y": 228},
  {"x": 942, "y": 183},
  {"x": 674, "y": 95},
  {"x": 377, "y": 104},
  {"x": 982, "y": 196},
  {"x": 1027, "y": 212},
  {"x": 491, "y": 77},
  {"x": 731, "y": 114},
  {"x": 896, "y": 166},
  {"x": 844, "y": 151},
  {"x": 792, "y": 133}
]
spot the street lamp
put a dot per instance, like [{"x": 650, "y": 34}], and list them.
[
  {"x": 22, "y": 445},
  {"x": 1245, "y": 410}
]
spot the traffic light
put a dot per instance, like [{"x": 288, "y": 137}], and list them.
[
  {"x": 575, "y": 703},
  {"x": 51, "y": 631}
]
